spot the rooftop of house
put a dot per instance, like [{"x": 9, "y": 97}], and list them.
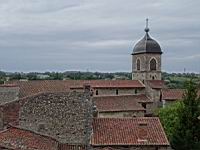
[
  {"x": 174, "y": 94},
  {"x": 128, "y": 131},
  {"x": 156, "y": 84},
  {"x": 32, "y": 87},
  {"x": 16, "y": 138},
  {"x": 120, "y": 103},
  {"x": 110, "y": 84}
]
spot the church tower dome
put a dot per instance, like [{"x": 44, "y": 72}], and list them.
[
  {"x": 146, "y": 58},
  {"x": 147, "y": 44}
]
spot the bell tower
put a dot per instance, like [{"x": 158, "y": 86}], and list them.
[{"x": 146, "y": 58}]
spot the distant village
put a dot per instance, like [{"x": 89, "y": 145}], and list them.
[{"x": 91, "y": 111}]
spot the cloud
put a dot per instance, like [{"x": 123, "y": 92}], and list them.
[{"x": 98, "y": 34}]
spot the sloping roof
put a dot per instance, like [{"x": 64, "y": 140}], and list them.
[
  {"x": 116, "y": 84},
  {"x": 20, "y": 139},
  {"x": 172, "y": 94},
  {"x": 28, "y": 88},
  {"x": 156, "y": 84},
  {"x": 120, "y": 103},
  {"x": 126, "y": 131}
]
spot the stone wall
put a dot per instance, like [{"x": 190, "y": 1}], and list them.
[
  {"x": 145, "y": 73},
  {"x": 121, "y": 91},
  {"x": 168, "y": 102},
  {"x": 154, "y": 95},
  {"x": 149, "y": 108},
  {"x": 9, "y": 113},
  {"x": 8, "y": 94},
  {"x": 122, "y": 114},
  {"x": 64, "y": 116}
]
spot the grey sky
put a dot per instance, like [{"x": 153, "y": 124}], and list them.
[{"x": 98, "y": 35}]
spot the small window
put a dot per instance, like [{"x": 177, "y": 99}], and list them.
[
  {"x": 153, "y": 64},
  {"x": 138, "y": 64},
  {"x": 153, "y": 78},
  {"x": 136, "y": 91},
  {"x": 117, "y": 92},
  {"x": 97, "y": 92},
  {"x": 144, "y": 105}
]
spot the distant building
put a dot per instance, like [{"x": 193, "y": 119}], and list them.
[{"x": 43, "y": 76}]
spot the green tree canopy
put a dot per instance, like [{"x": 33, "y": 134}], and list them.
[
  {"x": 181, "y": 120},
  {"x": 169, "y": 117},
  {"x": 186, "y": 135}
]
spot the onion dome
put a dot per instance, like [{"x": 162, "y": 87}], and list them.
[{"x": 147, "y": 44}]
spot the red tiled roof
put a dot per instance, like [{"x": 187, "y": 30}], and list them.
[
  {"x": 156, "y": 84},
  {"x": 120, "y": 103},
  {"x": 115, "y": 84},
  {"x": 127, "y": 131},
  {"x": 172, "y": 94},
  {"x": 19, "y": 139},
  {"x": 28, "y": 88}
]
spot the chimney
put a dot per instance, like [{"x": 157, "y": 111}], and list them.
[
  {"x": 142, "y": 132},
  {"x": 95, "y": 112},
  {"x": 87, "y": 89}
]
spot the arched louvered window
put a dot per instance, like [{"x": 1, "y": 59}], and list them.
[
  {"x": 138, "y": 64},
  {"x": 153, "y": 64}
]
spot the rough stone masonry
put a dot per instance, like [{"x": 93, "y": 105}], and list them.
[{"x": 64, "y": 116}]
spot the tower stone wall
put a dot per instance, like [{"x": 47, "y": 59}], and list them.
[
  {"x": 145, "y": 73},
  {"x": 146, "y": 58}
]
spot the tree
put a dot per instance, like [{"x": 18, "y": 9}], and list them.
[
  {"x": 186, "y": 135},
  {"x": 169, "y": 117}
]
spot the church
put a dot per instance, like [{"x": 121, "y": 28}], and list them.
[{"x": 90, "y": 114}]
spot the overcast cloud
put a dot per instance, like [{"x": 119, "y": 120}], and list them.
[{"x": 96, "y": 35}]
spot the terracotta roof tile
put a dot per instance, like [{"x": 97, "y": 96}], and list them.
[
  {"x": 28, "y": 88},
  {"x": 32, "y": 87},
  {"x": 115, "y": 83},
  {"x": 172, "y": 94},
  {"x": 120, "y": 103},
  {"x": 128, "y": 131},
  {"x": 156, "y": 84},
  {"x": 16, "y": 138}
]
